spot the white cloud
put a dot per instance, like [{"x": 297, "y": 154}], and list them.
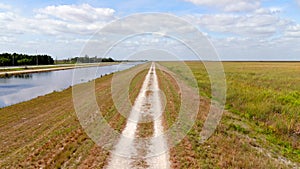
[
  {"x": 74, "y": 19},
  {"x": 260, "y": 23},
  {"x": 11, "y": 23},
  {"x": 298, "y": 1},
  {"x": 55, "y": 20},
  {"x": 77, "y": 13},
  {"x": 268, "y": 11},
  {"x": 50, "y": 24},
  {"x": 6, "y": 39},
  {"x": 259, "y": 35},
  {"x": 241, "y": 48},
  {"x": 4, "y": 6},
  {"x": 229, "y": 5},
  {"x": 293, "y": 31}
]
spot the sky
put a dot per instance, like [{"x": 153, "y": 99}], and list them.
[{"x": 238, "y": 29}]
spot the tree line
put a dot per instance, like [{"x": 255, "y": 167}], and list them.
[
  {"x": 7, "y": 59},
  {"x": 87, "y": 59}
]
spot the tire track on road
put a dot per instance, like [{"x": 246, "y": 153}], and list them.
[{"x": 126, "y": 153}]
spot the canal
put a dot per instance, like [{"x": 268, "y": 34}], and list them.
[{"x": 23, "y": 87}]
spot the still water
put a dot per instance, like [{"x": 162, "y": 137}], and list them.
[{"x": 19, "y": 88}]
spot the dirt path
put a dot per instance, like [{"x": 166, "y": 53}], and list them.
[{"x": 134, "y": 152}]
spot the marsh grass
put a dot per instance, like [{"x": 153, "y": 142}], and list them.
[{"x": 262, "y": 126}]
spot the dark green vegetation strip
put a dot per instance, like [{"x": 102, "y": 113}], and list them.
[{"x": 172, "y": 92}]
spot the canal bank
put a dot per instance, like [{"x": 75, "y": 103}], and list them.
[
  {"x": 9, "y": 71},
  {"x": 22, "y": 87}
]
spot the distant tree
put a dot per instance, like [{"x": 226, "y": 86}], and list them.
[
  {"x": 87, "y": 59},
  {"x": 107, "y": 60},
  {"x": 4, "y": 61},
  {"x": 74, "y": 60},
  {"x": 24, "y": 61},
  {"x": 15, "y": 59}
]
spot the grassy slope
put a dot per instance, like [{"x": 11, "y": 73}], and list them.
[{"x": 45, "y": 132}]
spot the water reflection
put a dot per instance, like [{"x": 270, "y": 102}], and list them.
[
  {"x": 18, "y": 88},
  {"x": 22, "y": 76}
]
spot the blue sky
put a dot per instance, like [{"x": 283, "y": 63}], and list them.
[{"x": 239, "y": 29}]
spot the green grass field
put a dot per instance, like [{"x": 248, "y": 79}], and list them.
[
  {"x": 265, "y": 93},
  {"x": 263, "y": 116}
]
